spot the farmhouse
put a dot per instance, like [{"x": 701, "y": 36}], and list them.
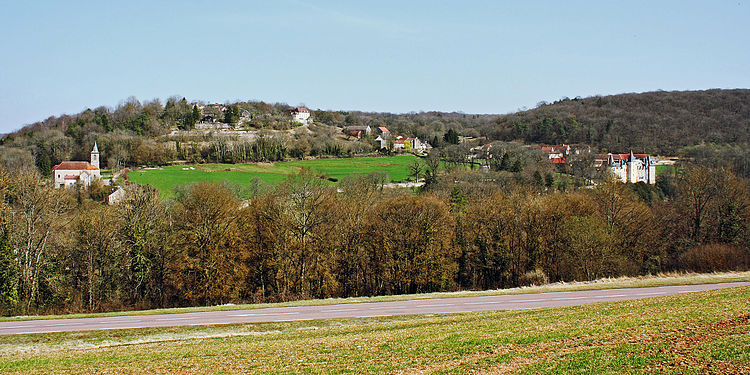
[
  {"x": 410, "y": 144},
  {"x": 631, "y": 167},
  {"x": 117, "y": 196},
  {"x": 69, "y": 173},
  {"x": 301, "y": 115},
  {"x": 558, "y": 154},
  {"x": 383, "y": 132},
  {"x": 358, "y": 130},
  {"x": 382, "y": 142}
]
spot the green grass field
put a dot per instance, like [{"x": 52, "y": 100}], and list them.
[
  {"x": 166, "y": 178},
  {"x": 667, "y": 170},
  {"x": 695, "y": 333}
]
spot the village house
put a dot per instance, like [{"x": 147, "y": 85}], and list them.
[
  {"x": 383, "y": 132},
  {"x": 482, "y": 152},
  {"x": 410, "y": 144},
  {"x": 557, "y": 154},
  {"x": 630, "y": 168},
  {"x": 358, "y": 130},
  {"x": 117, "y": 196},
  {"x": 212, "y": 107},
  {"x": 83, "y": 173},
  {"x": 382, "y": 142},
  {"x": 208, "y": 119},
  {"x": 383, "y": 135},
  {"x": 301, "y": 115}
]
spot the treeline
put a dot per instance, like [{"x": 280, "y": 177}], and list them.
[
  {"x": 654, "y": 122},
  {"x": 137, "y": 134},
  {"x": 120, "y": 149},
  {"x": 64, "y": 251},
  {"x": 711, "y": 127}
]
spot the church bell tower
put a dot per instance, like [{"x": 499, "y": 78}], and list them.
[{"x": 95, "y": 156}]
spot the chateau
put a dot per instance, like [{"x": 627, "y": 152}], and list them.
[
  {"x": 68, "y": 173},
  {"x": 632, "y": 168}
]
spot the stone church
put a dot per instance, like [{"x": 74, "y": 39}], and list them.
[{"x": 69, "y": 173}]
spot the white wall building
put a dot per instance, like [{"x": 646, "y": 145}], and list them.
[
  {"x": 69, "y": 173},
  {"x": 301, "y": 115},
  {"x": 632, "y": 168},
  {"x": 117, "y": 196}
]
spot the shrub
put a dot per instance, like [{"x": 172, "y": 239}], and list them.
[
  {"x": 715, "y": 257},
  {"x": 535, "y": 277}
]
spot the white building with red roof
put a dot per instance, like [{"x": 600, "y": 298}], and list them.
[
  {"x": 631, "y": 167},
  {"x": 558, "y": 154},
  {"x": 69, "y": 173},
  {"x": 301, "y": 115},
  {"x": 383, "y": 132}
]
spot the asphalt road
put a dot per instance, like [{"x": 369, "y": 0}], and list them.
[{"x": 354, "y": 310}]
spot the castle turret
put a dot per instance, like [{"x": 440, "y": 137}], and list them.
[
  {"x": 631, "y": 172},
  {"x": 95, "y": 156}
]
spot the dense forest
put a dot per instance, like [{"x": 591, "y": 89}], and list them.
[
  {"x": 709, "y": 127},
  {"x": 62, "y": 250},
  {"x": 653, "y": 122}
]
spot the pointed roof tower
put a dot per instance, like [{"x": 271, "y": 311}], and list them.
[{"x": 95, "y": 156}]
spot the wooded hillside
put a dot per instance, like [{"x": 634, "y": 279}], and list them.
[
  {"x": 709, "y": 127},
  {"x": 653, "y": 122}
]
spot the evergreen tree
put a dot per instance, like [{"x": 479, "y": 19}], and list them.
[
  {"x": 8, "y": 270},
  {"x": 232, "y": 115},
  {"x": 451, "y": 137},
  {"x": 538, "y": 179},
  {"x": 43, "y": 162},
  {"x": 505, "y": 162},
  {"x": 517, "y": 167},
  {"x": 549, "y": 179},
  {"x": 435, "y": 142},
  {"x": 191, "y": 117},
  {"x": 196, "y": 114}
]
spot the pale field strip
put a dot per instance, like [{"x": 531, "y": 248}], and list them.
[
  {"x": 560, "y": 287},
  {"x": 111, "y": 323}
]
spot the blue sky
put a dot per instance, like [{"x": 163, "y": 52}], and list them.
[{"x": 390, "y": 56}]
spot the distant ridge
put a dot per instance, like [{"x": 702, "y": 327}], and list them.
[
  {"x": 661, "y": 122},
  {"x": 654, "y": 122}
]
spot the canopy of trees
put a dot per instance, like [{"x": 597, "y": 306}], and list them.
[{"x": 63, "y": 251}]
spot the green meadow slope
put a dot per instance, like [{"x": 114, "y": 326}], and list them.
[{"x": 165, "y": 179}]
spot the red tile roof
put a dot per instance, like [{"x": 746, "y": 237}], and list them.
[
  {"x": 552, "y": 148},
  {"x": 74, "y": 165},
  {"x": 627, "y": 156}
]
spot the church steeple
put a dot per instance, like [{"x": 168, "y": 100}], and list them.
[{"x": 95, "y": 156}]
